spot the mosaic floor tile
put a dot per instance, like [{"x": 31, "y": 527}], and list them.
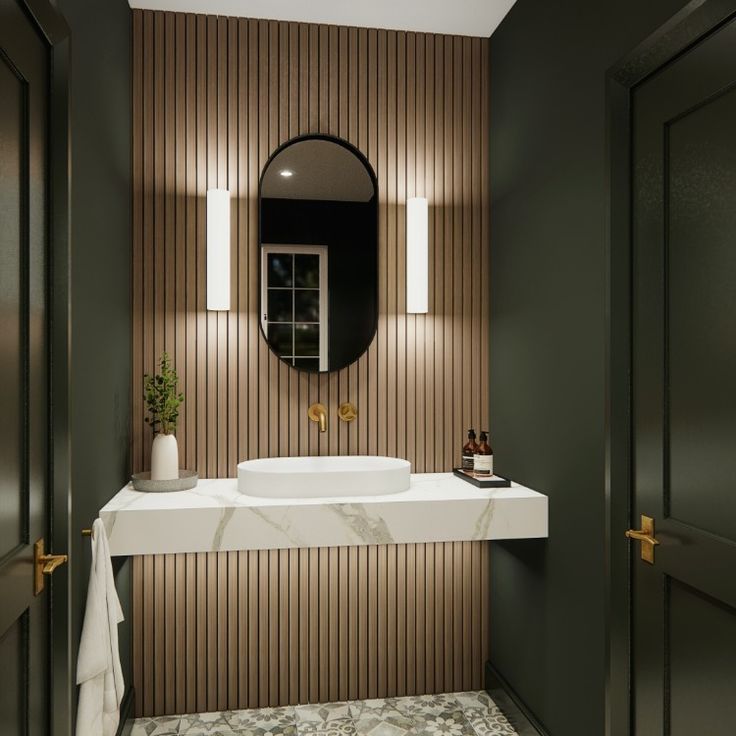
[
  {"x": 474, "y": 699},
  {"x": 163, "y": 726},
  {"x": 376, "y": 707},
  {"x": 380, "y": 717},
  {"x": 263, "y": 721},
  {"x": 332, "y": 727},
  {"x": 205, "y": 724},
  {"x": 320, "y": 713},
  {"x": 390, "y": 726},
  {"x": 489, "y": 721},
  {"x": 447, "y": 723},
  {"x": 427, "y": 704},
  {"x": 448, "y": 714}
]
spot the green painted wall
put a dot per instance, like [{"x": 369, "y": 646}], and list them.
[
  {"x": 100, "y": 124},
  {"x": 548, "y": 231}
]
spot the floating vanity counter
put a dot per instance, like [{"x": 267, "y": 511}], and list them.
[{"x": 217, "y": 517}]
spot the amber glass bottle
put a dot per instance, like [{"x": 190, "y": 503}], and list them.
[
  {"x": 469, "y": 451},
  {"x": 483, "y": 460}
]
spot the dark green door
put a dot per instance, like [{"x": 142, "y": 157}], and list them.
[
  {"x": 684, "y": 392},
  {"x": 24, "y": 616}
]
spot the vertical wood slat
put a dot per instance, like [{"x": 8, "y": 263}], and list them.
[
  {"x": 281, "y": 627},
  {"x": 213, "y": 98},
  {"x": 158, "y": 639},
  {"x": 145, "y": 594},
  {"x": 199, "y": 666},
  {"x": 263, "y": 629},
  {"x": 179, "y": 142}
]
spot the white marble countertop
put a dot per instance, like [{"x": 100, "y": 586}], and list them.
[{"x": 215, "y": 516}]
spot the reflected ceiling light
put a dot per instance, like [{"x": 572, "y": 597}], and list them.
[
  {"x": 286, "y": 173},
  {"x": 417, "y": 256},
  {"x": 218, "y": 249}
]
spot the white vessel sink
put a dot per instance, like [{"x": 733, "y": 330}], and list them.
[{"x": 319, "y": 477}]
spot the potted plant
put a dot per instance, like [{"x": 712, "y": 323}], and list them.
[{"x": 163, "y": 403}]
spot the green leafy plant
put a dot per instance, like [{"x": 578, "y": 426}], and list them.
[{"x": 161, "y": 397}]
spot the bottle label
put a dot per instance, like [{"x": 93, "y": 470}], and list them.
[
  {"x": 483, "y": 464},
  {"x": 468, "y": 461}
]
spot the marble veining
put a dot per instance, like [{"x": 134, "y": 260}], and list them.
[
  {"x": 483, "y": 522},
  {"x": 452, "y": 714},
  {"x": 216, "y": 517},
  {"x": 365, "y": 525},
  {"x": 227, "y": 515}
]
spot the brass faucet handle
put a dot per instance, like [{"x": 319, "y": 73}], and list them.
[
  {"x": 318, "y": 413},
  {"x": 347, "y": 412}
]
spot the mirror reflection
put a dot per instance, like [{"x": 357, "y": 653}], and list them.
[{"x": 318, "y": 254}]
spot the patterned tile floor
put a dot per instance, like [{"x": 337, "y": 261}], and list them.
[{"x": 453, "y": 714}]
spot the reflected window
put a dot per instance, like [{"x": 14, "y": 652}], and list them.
[{"x": 294, "y": 285}]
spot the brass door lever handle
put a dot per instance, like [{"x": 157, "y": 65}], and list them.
[
  {"x": 645, "y": 535},
  {"x": 641, "y": 536},
  {"x": 51, "y": 562},
  {"x": 44, "y": 565}
]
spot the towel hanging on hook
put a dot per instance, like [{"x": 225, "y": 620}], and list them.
[{"x": 99, "y": 672}]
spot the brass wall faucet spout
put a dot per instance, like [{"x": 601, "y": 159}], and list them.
[{"x": 318, "y": 413}]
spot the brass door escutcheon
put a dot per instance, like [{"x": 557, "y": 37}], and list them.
[
  {"x": 645, "y": 535},
  {"x": 44, "y": 564}
]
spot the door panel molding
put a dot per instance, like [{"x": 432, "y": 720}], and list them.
[
  {"x": 689, "y": 400},
  {"x": 45, "y": 392},
  {"x": 13, "y": 644},
  {"x": 686, "y": 28},
  {"x": 15, "y": 276},
  {"x": 686, "y": 646}
]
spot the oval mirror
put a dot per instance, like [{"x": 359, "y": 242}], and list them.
[{"x": 318, "y": 253}]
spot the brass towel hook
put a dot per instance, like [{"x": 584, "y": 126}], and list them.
[{"x": 86, "y": 532}]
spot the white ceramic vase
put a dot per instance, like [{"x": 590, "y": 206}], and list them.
[{"x": 164, "y": 457}]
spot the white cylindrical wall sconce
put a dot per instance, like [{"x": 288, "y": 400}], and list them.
[
  {"x": 218, "y": 249},
  {"x": 417, "y": 256}
]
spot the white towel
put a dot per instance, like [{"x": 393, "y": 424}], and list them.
[{"x": 98, "y": 665}]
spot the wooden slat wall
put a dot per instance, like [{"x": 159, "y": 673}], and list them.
[
  {"x": 212, "y": 98},
  {"x": 215, "y": 631}
]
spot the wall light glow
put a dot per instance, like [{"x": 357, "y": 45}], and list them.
[
  {"x": 218, "y": 249},
  {"x": 417, "y": 256}
]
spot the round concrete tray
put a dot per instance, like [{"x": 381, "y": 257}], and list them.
[{"x": 142, "y": 482}]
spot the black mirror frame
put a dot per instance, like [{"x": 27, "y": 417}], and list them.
[{"x": 374, "y": 179}]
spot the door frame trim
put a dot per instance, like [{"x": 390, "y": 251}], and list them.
[
  {"x": 60, "y": 681},
  {"x": 63, "y": 699},
  {"x": 697, "y": 19}
]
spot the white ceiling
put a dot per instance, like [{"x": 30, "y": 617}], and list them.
[{"x": 462, "y": 17}]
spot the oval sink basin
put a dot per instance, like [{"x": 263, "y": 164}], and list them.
[{"x": 319, "y": 477}]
